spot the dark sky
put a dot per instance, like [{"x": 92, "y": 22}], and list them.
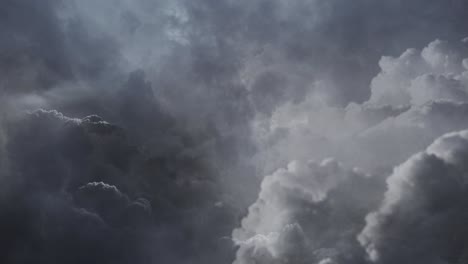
[{"x": 233, "y": 131}]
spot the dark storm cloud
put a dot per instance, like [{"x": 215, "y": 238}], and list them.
[
  {"x": 81, "y": 181},
  {"x": 160, "y": 166},
  {"x": 194, "y": 104},
  {"x": 337, "y": 41},
  {"x": 40, "y": 50},
  {"x": 301, "y": 42},
  {"x": 51, "y": 156},
  {"x": 32, "y": 51}
]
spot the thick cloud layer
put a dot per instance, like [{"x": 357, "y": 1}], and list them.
[
  {"x": 416, "y": 98},
  {"x": 318, "y": 212},
  {"x": 307, "y": 213},
  {"x": 43, "y": 220},
  {"x": 164, "y": 116},
  {"x": 422, "y": 218},
  {"x": 77, "y": 191}
]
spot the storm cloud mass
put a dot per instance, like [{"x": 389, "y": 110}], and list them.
[{"x": 233, "y": 131}]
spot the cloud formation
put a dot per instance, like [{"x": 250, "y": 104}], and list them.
[
  {"x": 421, "y": 219},
  {"x": 162, "y": 118},
  {"x": 307, "y": 213},
  {"x": 416, "y": 98},
  {"x": 78, "y": 191}
]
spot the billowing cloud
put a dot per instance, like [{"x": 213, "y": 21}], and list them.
[
  {"x": 168, "y": 114},
  {"x": 422, "y": 218},
  {"x": 81, "y": 180},
  {"x": 416, "y": 97},
  {"x": 307, "y": 213},
  {"x": 437, "y": 72}
]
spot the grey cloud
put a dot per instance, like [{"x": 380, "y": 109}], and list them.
[
  {"x": 188, "y": 89},
  {"x": 309, "y": 212},
  {"x": 416, "y": 97},
  {"x": 112, "y": 205},
  {"x": 40, "y": 50},
  {"x": 417, "y": 77},
  {"x": 421, "y": 219},
  {"x": 137, "y": 207}
]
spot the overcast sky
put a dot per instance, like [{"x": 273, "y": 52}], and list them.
[{"x": 234, "y": 131}]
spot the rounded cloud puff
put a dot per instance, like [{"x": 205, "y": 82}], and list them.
[
  {"x": 422, "y": 218},
  {"x": 416, "y": 77},
  {"x": 308, "y": 212},
  {"x": 415, "y": 98}
]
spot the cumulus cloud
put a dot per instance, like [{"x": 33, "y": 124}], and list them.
[
  {"x": 416, "y": 77},
  {"x": 416, "y": 97},
  {"x": 421, "y": 219},
  {"x": 307, "y": 212},
  {"x": 169, "y": 114}
]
